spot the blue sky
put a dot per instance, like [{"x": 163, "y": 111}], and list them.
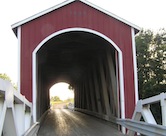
[{"x": 148, "y": 14}]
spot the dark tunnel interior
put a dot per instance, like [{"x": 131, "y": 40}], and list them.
[{"x": 81, "y": 59}]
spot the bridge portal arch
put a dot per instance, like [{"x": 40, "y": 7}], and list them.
[
  {"x": 95, "y": 29},
  {"x": 90, "y": 31}
]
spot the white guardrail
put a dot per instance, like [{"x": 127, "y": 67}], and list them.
[
  {"x": 150, "y": 126},
  {"x": 16, "y": 115},
  {"x": 32, "y": 131},
  {"x": 15, "y": 111}
]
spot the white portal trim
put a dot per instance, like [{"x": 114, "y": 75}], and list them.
[
  {"x": 120, "y": 62},
  {"x": 135, "y": 65},
  {"x": 19, "y": 58},
  {"x": 66, "y": 3}
]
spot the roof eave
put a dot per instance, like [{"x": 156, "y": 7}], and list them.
[
  {"x": 137, "y": 28},
  {"x": 26, "y": 20},
  {"x": 15, "y": 25}
]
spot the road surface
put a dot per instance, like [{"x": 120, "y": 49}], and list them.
[{"x": 63, "y": 122}]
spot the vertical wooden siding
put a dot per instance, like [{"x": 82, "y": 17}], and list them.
[{"x": 81, "y": 15}]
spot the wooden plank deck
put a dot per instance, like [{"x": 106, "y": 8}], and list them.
[{"x": 62, "y": 122}]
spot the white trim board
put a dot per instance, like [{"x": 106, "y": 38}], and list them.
[
  {"x": 14, "y": 26},
  {"x": 120, "y": 63},
  {"x": 135, "y": 65},
  {"x": 19, "y": 58}
]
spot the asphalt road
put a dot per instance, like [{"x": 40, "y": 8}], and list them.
[{"x": 62, "y": 122}]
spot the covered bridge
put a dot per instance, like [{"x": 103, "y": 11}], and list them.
[{"x": 91, "y": 49}]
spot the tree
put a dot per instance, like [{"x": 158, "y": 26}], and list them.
[
  {"x": 70, "y": 87},
  {"x": 55, "y": 98},
  {"x": 6, "y": 77},
  {"x": 151, "y": 58}
]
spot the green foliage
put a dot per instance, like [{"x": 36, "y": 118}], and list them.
[
  {"x": 6, "y": 77},
  {"x": 151, "y": 58},
  {"x": 70, "y": 87},
  {"x": 55, "y": 99}
]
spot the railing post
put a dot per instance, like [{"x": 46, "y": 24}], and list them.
[
  {"x": 163, "y": 108},
  {"x": 147, "y": 114},
  {"x": 136, "y": 116},
  {"x": 149, "y": 127},
  {"x": 9, "y": 126},
  {"x": 27, "y": 119},
  {"x": 137, "y": 112},
  {"x": 2, "y": 114},
  {"x": 1, "y": 105},
  {"x": 20, "y": 116},
  {"x": 15, "y": 111}
]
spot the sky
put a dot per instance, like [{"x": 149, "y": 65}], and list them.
[
  {"x": 147, "y": 14},
  {"x": 61, "y": 90}
]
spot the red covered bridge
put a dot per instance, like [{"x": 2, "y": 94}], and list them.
[{"x": 91, "y": 49}]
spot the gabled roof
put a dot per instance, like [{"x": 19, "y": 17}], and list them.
[{"x": 14, "y": 26}]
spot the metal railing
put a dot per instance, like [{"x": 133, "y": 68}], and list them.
[
  {"x": 142, "y": 128},
  {"x": 150, "y": 126},
  {"x": 15, "y": 111},
  {"x": 16, "y": 115},
  {"x": 32, "y": 131}
]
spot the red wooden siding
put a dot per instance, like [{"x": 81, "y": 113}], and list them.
[{"x": 81, "y": 15}]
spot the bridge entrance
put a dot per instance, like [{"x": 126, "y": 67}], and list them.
[
  {"x": 94, "y": 51},
  {"x": 89, "y": 48},
  {"x": 85, "y": 60}
]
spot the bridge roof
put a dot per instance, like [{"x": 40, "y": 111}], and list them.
[{"x": 14, "y": 26}]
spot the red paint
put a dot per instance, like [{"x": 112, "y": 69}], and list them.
[{"x": 81, "y": 15}]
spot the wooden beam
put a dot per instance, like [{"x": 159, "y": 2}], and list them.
[{"x": 104, "y": 89}]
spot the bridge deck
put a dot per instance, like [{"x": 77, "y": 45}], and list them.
[{"x": 62, "y": 122}]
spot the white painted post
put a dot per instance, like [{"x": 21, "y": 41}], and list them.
[
  {"x": 9, "y": 127},
  {"x": 2, "y": 114},
  {"x": 9, "y": 95},
  {"x": 27, "y": 120},
  {"x": 137, "y": 112},
  {"x": 121, "y": 85},
  {"x": 136, "y": 116},
  {"x": 1, "y": 105},
  {"x": 19, "y": 58},
  {"x": 147, "y": 115},
  {"x": 134, "y": 64},
  {"x": 34, "y": 76},
  {"x": 20, "y": 116},
  {"x": 163, "y": 108}
]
